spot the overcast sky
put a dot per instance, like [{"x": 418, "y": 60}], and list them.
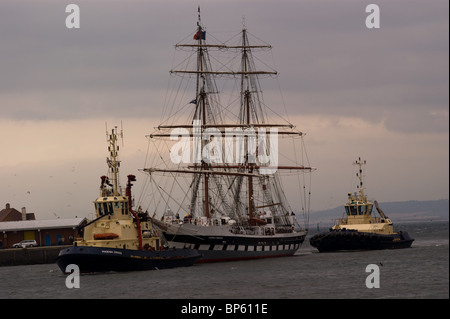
[{"x": 380, "y": 94}]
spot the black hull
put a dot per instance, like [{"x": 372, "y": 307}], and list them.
[
  {"x": 353, "y": 240},
  {"x": 232, "y": 248},
  {"x": 101, "y": 259}
]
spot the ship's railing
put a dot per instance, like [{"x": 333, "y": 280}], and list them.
[
  {"x": 284, "y": 229},
  {"x": 267, "y": 230},
  {"x": 185, "y": 220},
  {"x": 340, "y": 221},
  {"x": 247, "y": 230},
  {"x": 260, "y": 230},
  {"x": 373, "y": 220}
]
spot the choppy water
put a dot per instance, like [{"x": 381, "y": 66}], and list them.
[{"x": 418, "y": 272}]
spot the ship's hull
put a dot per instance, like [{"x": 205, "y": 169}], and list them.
[
  {"x": 353, "y": 240},
  {"x": 217, "y": 243},
  {"x": 98, "y": 259}
]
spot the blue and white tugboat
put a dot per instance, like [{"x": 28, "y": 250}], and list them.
[
  {"x": 120, "y": 239},
  {"x": 360, "y": 229}
]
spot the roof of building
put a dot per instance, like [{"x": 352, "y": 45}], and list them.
[
  {"x": 7, "y": 214},
  {"x": 41, "y": 224},
  {"x": 11, "y": 214}
]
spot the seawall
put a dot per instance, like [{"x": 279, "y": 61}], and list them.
[{"x": 29, "y": 256}]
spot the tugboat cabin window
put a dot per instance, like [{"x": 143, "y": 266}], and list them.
[
  {"x": 360, "y": 209},
  {"x": 351, "y": 210},
  {"x": 98, "y": 207},
  {"x": 124, "y": 208},
  {"x": 105, "y": 209},
  {"x": 357, "y": 208}
]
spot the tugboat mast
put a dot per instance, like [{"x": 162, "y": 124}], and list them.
[
  {"x": 360, "y": 175},
  {"x": 113, "y": 162}
]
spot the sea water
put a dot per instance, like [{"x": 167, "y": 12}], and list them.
[{"x": 421, "y": 271}]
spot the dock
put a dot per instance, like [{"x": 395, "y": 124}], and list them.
[{"x": 29, "y": 256}]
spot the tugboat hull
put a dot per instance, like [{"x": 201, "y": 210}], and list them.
[
  {"x": 336, "y": 240},
  {"x": 101, "y": 259}
]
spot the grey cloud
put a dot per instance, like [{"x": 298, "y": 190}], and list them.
[{"x": 329, "y": 63}]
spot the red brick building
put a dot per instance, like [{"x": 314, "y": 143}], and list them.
[
  {"x": 16, "y": 226},
  {"x": 9, "y": 214}
]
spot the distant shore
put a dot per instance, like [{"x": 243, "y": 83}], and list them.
[{"x": 398, "y": 212}]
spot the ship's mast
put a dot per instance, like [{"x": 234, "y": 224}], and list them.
[
  {"x": 208, "y": 115},
  {"x": 249, "y": 113},
  {"x": 360, "y": 176},
  {"x": 245, "y": 90},
  {"x": 201, "y": 104},
  {"x": 113, "y": 161}
]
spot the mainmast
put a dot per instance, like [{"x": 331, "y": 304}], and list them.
[{"x": 249, "y": 108}]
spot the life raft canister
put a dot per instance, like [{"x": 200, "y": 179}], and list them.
[{"x": 105, "y": 236}]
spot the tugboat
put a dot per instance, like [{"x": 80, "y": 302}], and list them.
[
  {"x": 360, "y": 230},
  {"x": 120, "y": 239}
]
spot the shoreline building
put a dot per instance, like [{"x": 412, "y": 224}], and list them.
[{"x": 16, "y": 226}]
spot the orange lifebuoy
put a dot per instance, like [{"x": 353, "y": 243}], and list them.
[{"x": 105, "y": 236}]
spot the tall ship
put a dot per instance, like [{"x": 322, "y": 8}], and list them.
[
  {"x": 361, "y": 228},
  {"x": 120, "y": 238},
  {"x": 216, "y": 181}
]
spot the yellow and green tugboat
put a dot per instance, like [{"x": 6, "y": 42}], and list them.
[
  {"x": 120, "y": 239},
  {"x": 360, "y": 229}
]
